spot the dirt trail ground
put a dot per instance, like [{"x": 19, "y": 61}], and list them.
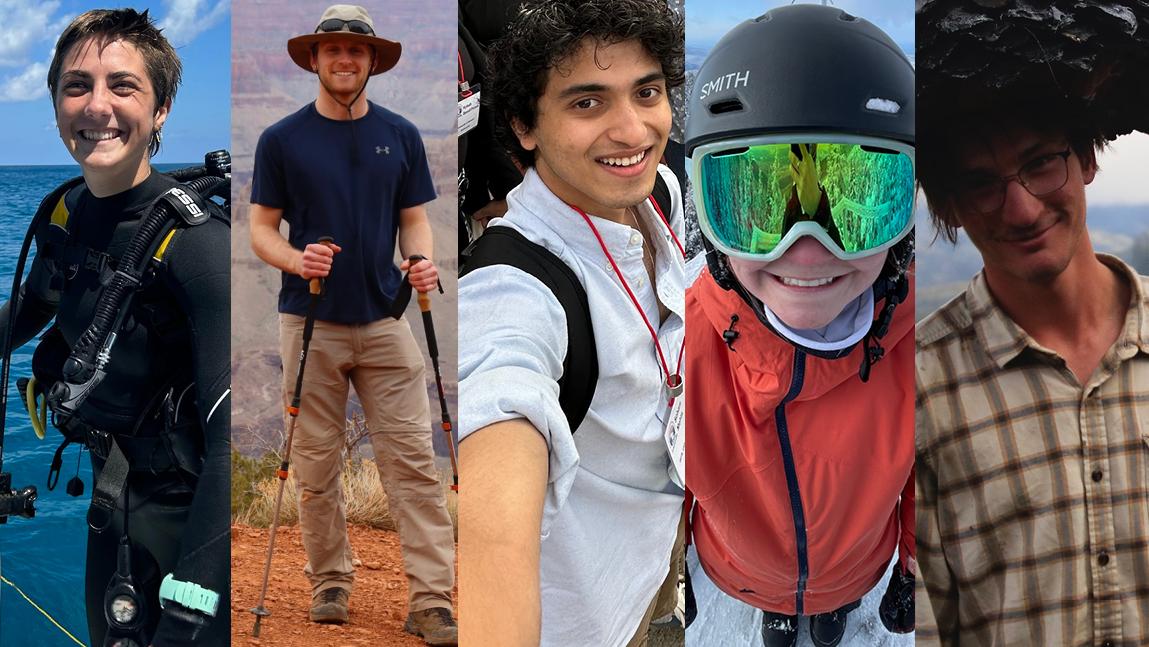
[{"x": 378, "y": 604}]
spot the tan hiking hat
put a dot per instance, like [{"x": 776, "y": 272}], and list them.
[{"x": 350, "y": 22}]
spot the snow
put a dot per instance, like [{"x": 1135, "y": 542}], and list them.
[{"x": 723, "y": 621}]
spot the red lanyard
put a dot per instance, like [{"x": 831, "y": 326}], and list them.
[
  {"x": 673, "y": 380},
  {"x": 464, "y": 87}
]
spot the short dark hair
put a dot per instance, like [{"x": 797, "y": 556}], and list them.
[
  {"x": 943, "y": 133},
  {"x": 106, "y": 26},
  {"x": 547, "y": 32}
]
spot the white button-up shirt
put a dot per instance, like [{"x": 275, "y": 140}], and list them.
[{"x": 611, "y": 510}]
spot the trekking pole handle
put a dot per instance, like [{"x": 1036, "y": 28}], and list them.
[
  {"x": 423, "y": 297},
  {"x": 316, "y": 285}
]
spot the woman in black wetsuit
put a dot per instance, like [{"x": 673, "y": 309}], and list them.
[{"x": 157, "y": 425}]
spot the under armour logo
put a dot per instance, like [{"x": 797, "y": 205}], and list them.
[{"x": 384, "y": 150}]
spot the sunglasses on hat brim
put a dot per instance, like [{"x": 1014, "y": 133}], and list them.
[
  {"x": 756, "y": 196},
  {"x": 338, "y": 24}
]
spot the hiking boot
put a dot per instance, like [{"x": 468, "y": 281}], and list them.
[
  {"x": 827, "y": 629},
  {"x": 329, "y": 606},
  {"x": 434, "y": 625},
  {"x": 779, "y": 630}
]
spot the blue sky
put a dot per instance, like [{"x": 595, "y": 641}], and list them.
[{"x": 200, "y": 30}]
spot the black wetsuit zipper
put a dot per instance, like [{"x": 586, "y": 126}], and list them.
[{"x": 796, "y": 380}]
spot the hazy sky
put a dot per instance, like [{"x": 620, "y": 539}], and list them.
[
  {"x": 1122, "y": 179},
  {"x": 200, "y": 30}
]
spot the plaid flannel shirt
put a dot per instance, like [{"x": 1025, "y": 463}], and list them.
[{"x": 1033, "y": 490}]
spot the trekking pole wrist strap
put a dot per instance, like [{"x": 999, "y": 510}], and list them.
[{"x": 189, "y": 595}]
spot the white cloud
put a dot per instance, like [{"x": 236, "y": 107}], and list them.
[
  {"x": 26, "y": 24},
  {"x": 187, "y": 19},
  {"x": 32, "y": 25},
  {"x": 29, "y": 85}
]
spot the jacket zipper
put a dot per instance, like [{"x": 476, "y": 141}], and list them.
[{"x": 792, "y": 477}]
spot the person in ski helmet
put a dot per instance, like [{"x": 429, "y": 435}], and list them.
[{"x": 800, "y": 134}]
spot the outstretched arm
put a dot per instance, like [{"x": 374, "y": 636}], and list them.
[{"x": 504, "y": 467}]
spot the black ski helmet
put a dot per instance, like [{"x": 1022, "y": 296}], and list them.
[
  {"x": 808, "y": 69},
  {"x": 802, "y": 68}
]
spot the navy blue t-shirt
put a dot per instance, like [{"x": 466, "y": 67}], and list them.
[{"x": 347, "y": 180}]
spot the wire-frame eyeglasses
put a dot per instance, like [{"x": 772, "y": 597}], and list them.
[{"x": 1040, "y": 176}]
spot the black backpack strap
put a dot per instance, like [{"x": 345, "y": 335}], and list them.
[
  {"x": 506, "y": 246},
  {"x": 661, "y": 194}
]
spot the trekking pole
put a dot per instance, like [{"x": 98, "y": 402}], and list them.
[
  {"x": 433, "y": 349},
  {"x": 316, "y": 289}
]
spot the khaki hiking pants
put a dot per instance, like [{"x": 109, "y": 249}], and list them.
[{"x": 383, "y": 363}]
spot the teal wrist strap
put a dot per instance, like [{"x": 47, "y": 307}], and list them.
[{"x": 189, "y": 595}]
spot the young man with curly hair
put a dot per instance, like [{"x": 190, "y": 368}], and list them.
[{"x": 565, "y": 533}]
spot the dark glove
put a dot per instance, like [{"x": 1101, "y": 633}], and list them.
[{"x": 897, "y": 607}]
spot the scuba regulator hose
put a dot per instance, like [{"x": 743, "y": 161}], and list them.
[
  {"x": 213, "y": 178},
  {"x": 84, "y": 368}
]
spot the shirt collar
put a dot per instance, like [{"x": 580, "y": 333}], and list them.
[
  {"x": 1135, "y": 332},
  {"x": 1004, "y": 340},
  {"x": 537, "y": 202}
]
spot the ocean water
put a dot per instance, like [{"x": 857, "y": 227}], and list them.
[{"x": 43, "y": 556}]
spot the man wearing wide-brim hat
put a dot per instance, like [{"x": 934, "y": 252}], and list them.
[{"x": 347, "y": 168}]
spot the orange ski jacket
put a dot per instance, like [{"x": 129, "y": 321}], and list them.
[{"x": 795, "y": 464}]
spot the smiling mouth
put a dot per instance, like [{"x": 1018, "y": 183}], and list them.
[
  {"x": 805, "y": 283},
  {"x": 347, "y": 74},
  {"x": 1028, "y": 236},
  {"x": 623, "y": 162},
  {"x": 100, "y": 135}
]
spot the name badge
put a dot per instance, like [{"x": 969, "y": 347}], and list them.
[
  {"x": 469, "y": 110},
  {"x": 675, "y": 437}
]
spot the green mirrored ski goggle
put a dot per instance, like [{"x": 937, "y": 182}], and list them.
[{"x": 756, "y": 196}]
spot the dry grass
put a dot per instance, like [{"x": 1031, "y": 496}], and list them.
[
  {"x": 255, "y": 487},
  {"x": 362, "y": 490}
]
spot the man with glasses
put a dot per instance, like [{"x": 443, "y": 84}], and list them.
[
  {"x": 349, "y": 169},
  {"x": 1032, "y": 456}
]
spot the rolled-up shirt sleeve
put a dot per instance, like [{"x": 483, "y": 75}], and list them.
[{"x": 514, "y": 339}]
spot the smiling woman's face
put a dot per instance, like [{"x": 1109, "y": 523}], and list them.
[
  {"x": 808, "y": 286},
  {"x": 106, "y": 113}
]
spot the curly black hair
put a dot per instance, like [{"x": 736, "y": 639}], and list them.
[{"x": 545, "y": 33}]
